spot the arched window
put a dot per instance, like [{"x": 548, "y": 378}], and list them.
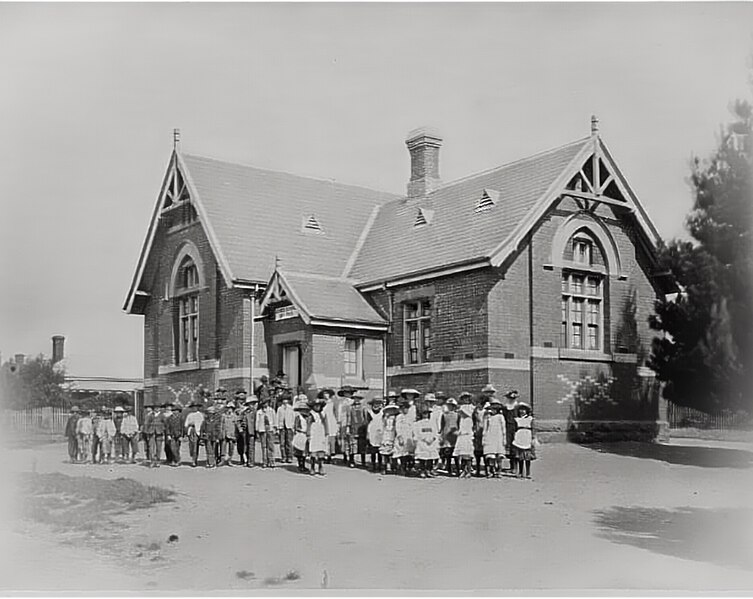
[
  {"x": 186, "y": 289},
  {"x": 584, "y": 271}
]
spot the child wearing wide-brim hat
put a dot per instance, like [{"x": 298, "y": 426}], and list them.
[
  {"x": 494, "y": 438},
  {"x": 463, "y": 450},
  {"x": 387, "y": 447},
  {"x": 427, "y": 444},
  {"x": 522, "y": 444},
  {"x": 301, "y": 429},
  {"x": 317, "y": 436},
  {"x": 403, "y": 451},
  {"x": 448, "y": 434},
  {"x": 374, "y": 430}
]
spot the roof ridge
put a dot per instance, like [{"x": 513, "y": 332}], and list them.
[
  {"x": 512, "y": 162},
  {"x": 391, "y": 196},
  {"x": 313, "y": 275}
]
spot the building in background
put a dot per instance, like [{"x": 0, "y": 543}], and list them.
[{"x": 538, "y": 275}]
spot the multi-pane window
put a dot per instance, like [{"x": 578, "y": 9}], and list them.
[
  {"x": 417, "y": 331},
  {"x": 189, "y": 328},
  {"x": 188, "y": 312},
  {"x": 352, "y": 357},
  {"x": 582, "y": 298}
]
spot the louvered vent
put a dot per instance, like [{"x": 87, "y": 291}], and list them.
[
  {"x": 487, "y": 201},
  {"x": 312, "y": 224},
  {"x": 423, "y": 217}
]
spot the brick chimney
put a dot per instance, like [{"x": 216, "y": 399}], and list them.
[
  {"x": 58, "y": 348},
  {"x": 423, "y": 144}
]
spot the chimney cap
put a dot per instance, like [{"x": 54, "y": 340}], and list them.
[{"x": 423, "y": 133}]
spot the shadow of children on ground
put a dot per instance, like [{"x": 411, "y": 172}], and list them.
[
  {"x": 686, "y": 455},
  {"x": 719, "y": 536}
]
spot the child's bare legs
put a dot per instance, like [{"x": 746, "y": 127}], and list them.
[
  {"x": 520, "y": 468},
  {"x": 528, "y": 468}
]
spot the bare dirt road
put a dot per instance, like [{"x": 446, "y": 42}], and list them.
[{"x": 626, "y": 516}]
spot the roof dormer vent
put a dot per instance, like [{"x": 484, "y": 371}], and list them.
[
  {"x": 487, "y": 201},
  {"x": 312, "y": 224},
  {"x": 424, "y": 217}
]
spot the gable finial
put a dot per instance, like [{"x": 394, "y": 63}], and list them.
[
  {"x": 176, "y": 138},
  {"x": 277, "y": 262},
  {"x": 594, "y": 125}
]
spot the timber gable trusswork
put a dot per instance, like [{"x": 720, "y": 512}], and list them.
[{"x": 538, "y": 274}]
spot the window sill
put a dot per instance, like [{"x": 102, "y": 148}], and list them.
[
  {"x": 180, "y": 227},
  {"x": 586, "y": 355},
  {"x": 188, "y": 366}
]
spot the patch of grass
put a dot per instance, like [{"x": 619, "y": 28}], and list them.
[
  {"x": 84, "y": 504},
  {"x": 292, "y": 575},
  {"x": 245, "y": 575},
  {"x": 127, "y": 491}
]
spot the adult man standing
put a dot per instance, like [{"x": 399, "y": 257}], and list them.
[
  {"x": 70, "y": 434},
  {"x": 193, "y": 426},
  {"x": 250, "y": 416},
  {"x": 262, "y": 390},
  {"x": 129, "y": 432},
  {"x": 285, "y": 426}
]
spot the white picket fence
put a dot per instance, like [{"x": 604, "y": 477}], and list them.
[{"x": 47, "y": 419}]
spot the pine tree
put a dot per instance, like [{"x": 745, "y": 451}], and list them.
[{"x": 705, "y": 356}]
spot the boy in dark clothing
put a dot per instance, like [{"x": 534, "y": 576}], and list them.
[{"x": 70, "y": 433}]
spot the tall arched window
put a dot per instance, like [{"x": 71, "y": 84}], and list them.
[
  {"x": 187, "y": 299},
  {"x": 584, "y": 273}
]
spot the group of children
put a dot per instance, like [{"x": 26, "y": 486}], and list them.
[
  {"x": 401, "y": 434},
  {"x": 411, "y": 435}
]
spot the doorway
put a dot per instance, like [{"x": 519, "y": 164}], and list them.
[{"x": 291, "y": 364}]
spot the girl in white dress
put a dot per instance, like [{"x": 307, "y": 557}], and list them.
[
  {"x": 523, "y": 442},
  {"x": 427, "y": 444},
  {"x": 317, "y": 437},
  {"x": 301, "y": 428},
  {"x": 464, "y": 445},
  {"x": 387, "y": 448},
  {"x": 494, "y": 439},
  {"x": 403, "y": 440}
]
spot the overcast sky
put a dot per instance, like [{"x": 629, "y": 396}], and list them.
[{"x": 89, "y": 95}]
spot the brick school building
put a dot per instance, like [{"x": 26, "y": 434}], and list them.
[{"x": 538, "y": 275}]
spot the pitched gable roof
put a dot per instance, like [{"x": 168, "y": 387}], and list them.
[
  {"x": 458, "y": 233},
  {"x": 324, "y": 300},
  {"x": 256, "y": 215}
]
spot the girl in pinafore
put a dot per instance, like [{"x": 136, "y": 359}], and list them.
[
  {"x": 427, "y": 444},
  {"x": 403, "y": 440},
  {"x": 494, "y": 439},
  {"x": 464, "y": 445},
  {"x": 318, "y": 445},
  {"x": 387, "y": 448},
  {"x": 301, "y": 430},
  {"x": 523, "y": 441}
]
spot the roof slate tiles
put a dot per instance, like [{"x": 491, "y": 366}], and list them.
[
  {"x": 330, "y": 298},
  {"x": 457, "y": 233},
  {"x": 258, "y": 215}
]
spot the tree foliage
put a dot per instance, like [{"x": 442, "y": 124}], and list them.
[
  {"x": 706, "y": 356},
  {"x": 34, "y": 383}
]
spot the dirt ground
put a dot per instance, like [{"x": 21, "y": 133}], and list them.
[{"x": 627, "y": 516}]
